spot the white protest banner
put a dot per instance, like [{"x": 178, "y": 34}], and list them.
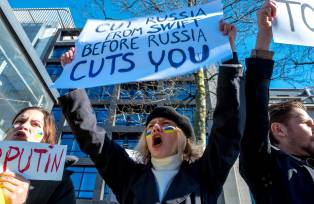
[
  {"x": 294, "y": 23},
  {"x": 148, "y": 48},
  {"x": 33, "y": 160}
]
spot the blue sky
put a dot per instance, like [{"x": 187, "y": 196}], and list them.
[{"x": 77, "y": 7}]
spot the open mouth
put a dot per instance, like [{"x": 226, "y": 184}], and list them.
[
  {"x": 20, "y": 134},
  {"x": 157, "y": 140}
]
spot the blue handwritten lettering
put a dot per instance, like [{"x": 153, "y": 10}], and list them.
[
  {"x": 171, "y": 60},
  {"x": 74, "y": 69},
  {"x": 113, "y": 63},
  {"x": 205, "y": 54},
  {"x": 91, "y": 67},
  {"x": 153, "y": 62},
  {"x": 132, "y": 64}
]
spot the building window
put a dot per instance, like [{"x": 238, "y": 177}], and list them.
[
  {"x": 68, "y": 38},
  {"x": 57, "y": 52},
  {"x": 125, "y": 119},
  {"x": 127, "y": 115},
  {"x": 107, "y": 192},
  {"x": 101, "y": 115},
  {"x": 310, "y": 91},
  {"x": 84, "y": 179},
  {"x": 57, "y": 115},
  {"x": 132, "y": 143},
  {"x": 69, "y": 35},
  {"x": 99, "y": 93},
  {"x": 144, "y": 90},
  {"x": 64, "y": 91},
  {"x": 127, "y": 143},
  {"x": 54, "y": 71},
  {"x": 109, "y": 195},
  {"x": 73, "y": 147},
  {"x": 178, "y": 90},
  {"x": 127, "y": 140},
  {"x": 188, "y": 112},
  {"x": 184, "y": 92},
  {"x": 308, "y": 100}
]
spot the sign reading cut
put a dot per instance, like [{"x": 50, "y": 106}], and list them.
[{"x": 148, "y": 48}]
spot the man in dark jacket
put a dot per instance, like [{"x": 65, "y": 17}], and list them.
[
  {"x": 280, "y": 171},
  {"x": 166, "y": 177}
]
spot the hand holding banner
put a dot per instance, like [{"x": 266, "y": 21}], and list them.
[{"x": 148, "y": 48}]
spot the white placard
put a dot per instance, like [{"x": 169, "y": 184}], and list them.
[
  {"x": 148, "y": 48},
  {"x": 294, "y": 23},
  {"x": 32, "y": 160}
]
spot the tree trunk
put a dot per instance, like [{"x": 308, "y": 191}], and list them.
[
  {"x": 200, "y": 112},
  {"x": 200, "y": 99}
]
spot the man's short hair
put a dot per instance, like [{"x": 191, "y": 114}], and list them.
[{"x": 281, "y": 113}]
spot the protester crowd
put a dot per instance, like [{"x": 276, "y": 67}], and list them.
[{"x": 275, "y": 144}]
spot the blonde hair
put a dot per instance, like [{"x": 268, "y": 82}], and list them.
[{"x": 189, "y": 151}]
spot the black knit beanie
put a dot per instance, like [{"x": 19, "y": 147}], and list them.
[{"x": 170, "y": 113}]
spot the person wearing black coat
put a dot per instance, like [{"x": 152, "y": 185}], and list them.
[
  {"x": 276, "y": 157},
  {"x": 167, "y": 172},
  {"x": 53, "y": 192},
  {"x": 35, "y": 124}
]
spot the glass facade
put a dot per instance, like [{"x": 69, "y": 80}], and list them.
[
  {"x": 177, "y": 90},
  {"x": 100, "y": 93},
  {"x": 73, "y": 147},
  {"x": 145, "y": 90},
  {"x": 32, "y": 30},
  {"x": 101, "y": 114},
  {"x": 84, "y": 179},
  {"x": 132, "y": 115},
  {"x": 126, "y": 140},
  {"x": 19, "y": 85},
  {"x": 184, "y": 91},
  {"x": 127, "y": 143},
  {"x": 188, "y": 111},
  {"x": 63, "y": 91},
  {"x": 69, "y": 35},
  {"x": 54, "y": 71},
  {"x": 132, "y": 119},
  {"x": 58, "y": 51},
  {"x": 57, "y": 114}
]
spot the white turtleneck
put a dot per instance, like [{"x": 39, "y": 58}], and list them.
[{"x": 164, "y": 170}]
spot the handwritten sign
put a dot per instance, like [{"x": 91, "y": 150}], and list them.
[
  {"x": 294, "y": 22},
  {"x": 149, "y": 48},
  {"x": 35, "y": 161}
]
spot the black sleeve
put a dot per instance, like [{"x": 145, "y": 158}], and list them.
[
  {"x": 110, "y": 159},
  {"x": 255, "y": 148},
  {"x": 64, "y": 192},
  {"x": 228, "y": 124}
]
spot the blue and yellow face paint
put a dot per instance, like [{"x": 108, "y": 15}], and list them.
[
  {"x": 166, "y": 129},
  {"x": 39, "y": 134}
]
